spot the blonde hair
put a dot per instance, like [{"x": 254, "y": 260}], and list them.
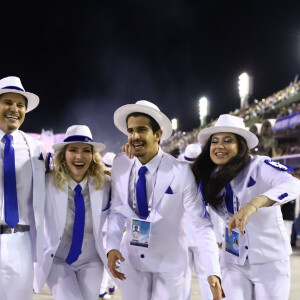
[{"x": 61, "y": 170}]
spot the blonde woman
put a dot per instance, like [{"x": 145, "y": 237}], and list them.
[{"x": 77, "y": 199}]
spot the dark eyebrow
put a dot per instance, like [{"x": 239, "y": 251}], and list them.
[
  {"x": 139, "y": 128},
  {"x": 225, "y": 137},
  {"x": 75, "y": 147}
]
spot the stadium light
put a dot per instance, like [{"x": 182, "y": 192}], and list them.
[
  {"x": 174, "y": 123},
  {"x": 244, "y": 89},
  {"x": 203, "y": 110}
]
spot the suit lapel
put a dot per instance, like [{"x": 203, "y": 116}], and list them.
[
  {"x": 38, "y": 191},
  {"x": 163, "y": 180},
  {"x": 241, "y": 187},
  {"x": 96, "y": 197}
]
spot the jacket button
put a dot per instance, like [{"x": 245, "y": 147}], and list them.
[
  {"x": 142, "y": 255},
  {"x": 246, "y": 247},
  {"x": 52, "y": 255}
]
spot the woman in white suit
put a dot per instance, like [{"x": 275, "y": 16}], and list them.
[
  {"x": 247, "y": 192},
  {"x": 77, "y": 197}
]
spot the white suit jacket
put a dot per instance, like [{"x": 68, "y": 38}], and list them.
[
  {"x": 55, "y": 218},
  {"x": 167, "y": 251},
  {"x": 37, "y": 156},
  {"x": 265, "y": 238}
]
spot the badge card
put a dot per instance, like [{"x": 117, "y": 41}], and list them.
[
  {"x": 140, "y": 233},
  {"x": 232, "y": 242}
]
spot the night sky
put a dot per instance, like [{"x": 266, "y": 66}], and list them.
[{"x": 86, "y": 59}]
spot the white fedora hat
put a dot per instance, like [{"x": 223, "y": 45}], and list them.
[
  {"x": 12, "y": 84},
  {"x": 191, "y": 153},
  {"x": 232, "y": 124},
  {"x": 108, "y": 159},
  {"x": 145, "y": 107},
  {"x": 79, "y": 134}
]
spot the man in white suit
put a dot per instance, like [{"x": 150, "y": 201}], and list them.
[
  {"x": 21, "y": 204},
  {"x": 154, "y": 265}
]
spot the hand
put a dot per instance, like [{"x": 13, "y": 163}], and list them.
[
  {"x": 113, "y": 256},
  {"x": 239, "y": 219},
  {"x": 215, "y": 287},
  {"x": 107, "y": 172},
  {"x": 128, "y": 150}
]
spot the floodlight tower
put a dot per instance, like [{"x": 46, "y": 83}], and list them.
[
  {"x": 244, "y": 89},
  {"x": 203, "y": 110},
  {"x": 174, "y": 123}
]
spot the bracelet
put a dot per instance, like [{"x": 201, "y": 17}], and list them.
[{"x": 253, "y": 205}]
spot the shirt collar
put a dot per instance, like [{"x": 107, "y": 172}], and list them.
[
  {"x": 153, "y": 164},
  {"x": 15, "y": 135},
  {"x": 73, "y": 184}
]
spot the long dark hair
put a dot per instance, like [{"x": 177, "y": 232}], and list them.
[{"x": 213, "y": 182}]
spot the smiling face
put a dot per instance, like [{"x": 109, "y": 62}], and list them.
[
  {"x": 142, "y": 139},
  {"x": 78, "y": 158},
  {"x": 223, "y": 147},
  {"x": 12, "y": 111}
]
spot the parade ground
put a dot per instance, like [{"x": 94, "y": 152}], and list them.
[{"x": 294, "y": 295}]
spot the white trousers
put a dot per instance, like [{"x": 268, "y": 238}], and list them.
[
  {"x": 270, "y": 281},
  {"x": 106, "y": 278},
  {"x": 195, "y": 262},
  {"x": 151, "y": 286},
  {"x": 16, "y": 266},
  {"x": 78, "y": 281},
  {"x": 104, "y": 282}
]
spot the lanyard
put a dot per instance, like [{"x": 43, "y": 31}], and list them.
[
  {"x": 204, "y": 200},
  {"x": 235, "y": 208}
]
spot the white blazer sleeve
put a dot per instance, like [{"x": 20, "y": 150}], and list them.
[
  {"x": 116, "y": 221},
  {"x": 205, "y": 237},
  {"x": 283, "y": 186}
]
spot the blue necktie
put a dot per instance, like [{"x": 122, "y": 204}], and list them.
[
  {"x": 141, "y": 195},
  {"x": 78, "y": 228},
  {"x": 229, "y": 198},
  {"x": 10, "y": 186}
]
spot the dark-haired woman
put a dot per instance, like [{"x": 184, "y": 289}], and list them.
[{"x": 247, "y": 192}]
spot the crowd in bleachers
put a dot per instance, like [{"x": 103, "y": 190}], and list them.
[
  {"x": 288, "y": 148},
  {"x": 259, "y": 108}
]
